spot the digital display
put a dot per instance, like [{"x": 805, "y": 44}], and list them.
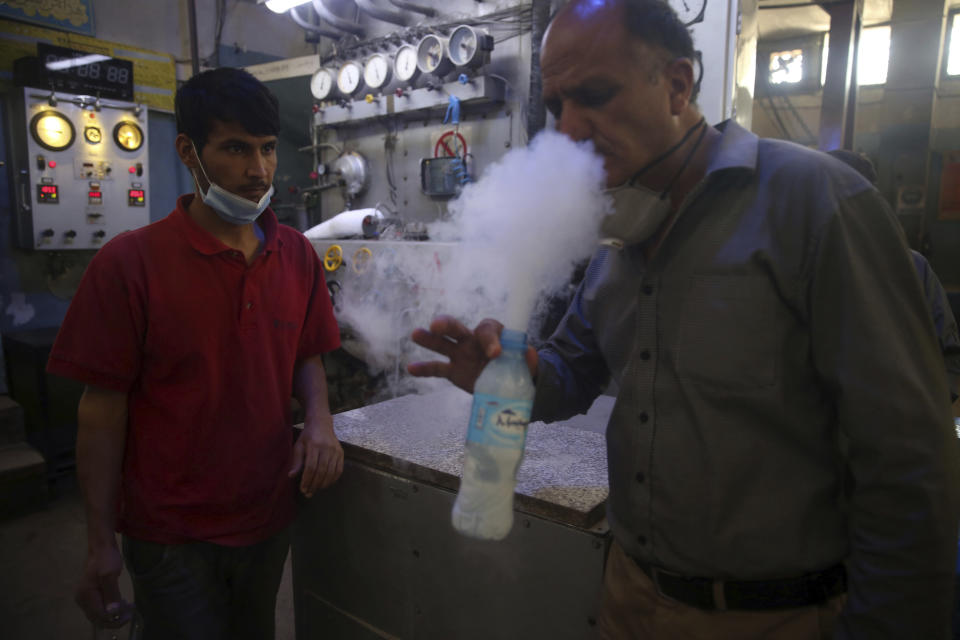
[
  {"x": 85, "y": 72},
  {"x": 95, "y": 197},
  {"x": 94, "y": 194},
  {"x": 136, "y": 198},
  {"x": 48, "y": 194}
]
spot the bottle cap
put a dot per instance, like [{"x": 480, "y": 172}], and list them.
[{"x": 513, "y": 339}]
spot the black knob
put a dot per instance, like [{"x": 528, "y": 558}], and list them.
[
  {"x": 99, "y": 234},
  {"x": 47, "y": 233},
  {"x": 70, "y": 234}
]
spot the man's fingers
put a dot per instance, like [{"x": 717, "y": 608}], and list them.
[
  {"x": 309, "y": 472},
  {"x": 449, "y": 326},
  {"x": 488, "y": 334},
  {"x": 432, "y": 369},
  {"x": 433, "y": 341}
]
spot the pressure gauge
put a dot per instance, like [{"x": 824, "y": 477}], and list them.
[
  {"x": 470, "y": 47},
  {"x": 405, "y": 63},
  {"x": 689, "y": 11},
  {"x": 321, "y": 84},
  {"x": 128, "y": 136},
  {"x": 93, "y": 135},
  {"x": 431, "y": 56},
  {"x": 376, "y": 72},
  {"x": 348, "y": 79},
  {"x": 52, "y": 130}
]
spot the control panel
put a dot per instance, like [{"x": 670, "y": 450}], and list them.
[{"x": 80, "y": 171}]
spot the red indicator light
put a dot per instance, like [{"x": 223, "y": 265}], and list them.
[
  {"x": 132, "y": 169},
  {"x": 92, "y": 116},
  {"x": 53, "y": 164},
  {"x": 94, "y": 194}
]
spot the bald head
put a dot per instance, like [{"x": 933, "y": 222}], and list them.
[{"x": 651, "y": 22}]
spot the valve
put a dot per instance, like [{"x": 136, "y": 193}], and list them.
[{"x": 333, "y": 258}]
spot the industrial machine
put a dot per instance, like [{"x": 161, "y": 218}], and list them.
[
  {"x": 80, "y": 165},
  {"x": 414, "y": 103}
]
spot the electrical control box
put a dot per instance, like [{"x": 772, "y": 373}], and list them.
[{"x": 80, "y": 169}]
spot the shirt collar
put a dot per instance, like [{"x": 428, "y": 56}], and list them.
[
  {"x": 736, "y": 149},
  {"x": 204, "y": 242}
]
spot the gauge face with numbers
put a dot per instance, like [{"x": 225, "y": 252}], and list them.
[
  {"x": 321, "y": 84},
  {"x": 689, "y": 11},
  {"x": 405, "y": 63},
  {"x": 348, "y": 79},
  {"x": 52, "y": 130},
  {"x": 376, "y": 72}
]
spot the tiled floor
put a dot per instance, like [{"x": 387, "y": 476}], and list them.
[{"x": 40, "y": 558}]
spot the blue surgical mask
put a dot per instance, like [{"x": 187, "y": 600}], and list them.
[{"x": 229, "y": 206}]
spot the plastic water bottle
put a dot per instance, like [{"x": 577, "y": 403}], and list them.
[{"x": 502, "y": 400}]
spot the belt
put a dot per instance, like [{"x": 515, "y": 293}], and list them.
[{"x": 751, "y": 595}]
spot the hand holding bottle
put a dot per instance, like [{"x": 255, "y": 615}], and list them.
[{"x": 468, "y": 351}]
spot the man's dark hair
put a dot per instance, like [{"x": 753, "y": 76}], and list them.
[
  {"x": 228, "y": 95},
  {"x": 655, "y": 23}
]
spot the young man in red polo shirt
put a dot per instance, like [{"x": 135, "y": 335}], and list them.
[{"x": 191, "y": 335}]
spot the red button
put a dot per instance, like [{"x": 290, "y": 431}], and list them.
[
  {"x": 53, "y": 164},
  {"x": 132, "y": 169}
]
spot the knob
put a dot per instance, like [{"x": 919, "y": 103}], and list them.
[
  {"x": 463, "y": 78},
  {"x": 316, "y": 108},
  {"x": 70, "y": 234},
  {"x": 99, "y": 234},
  {"x": 47, "y": 233},
  {"x": 369, "y": 98},
  {"x": 314, "y": 175},
  {"x": 399, "y": 92}
]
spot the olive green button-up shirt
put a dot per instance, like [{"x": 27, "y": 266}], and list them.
[{"x": 780, "y": 317}]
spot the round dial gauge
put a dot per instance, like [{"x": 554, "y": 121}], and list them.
[
  {"x": 128, "y": 136},
  {"x": 376, "y": 72},
  {"x": 405, "y": 63},
  {"x": 348, "y": 79},
  {"x": 431, "y": 57},
  {"x": 52, "y": 130},
  {"x": 689, "y": 11},
  {"x": 468, "y": 47},
  {"x": 92, "y": 135},
  {"x": 321, "y": 84}
]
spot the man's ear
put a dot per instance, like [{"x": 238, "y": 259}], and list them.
[
  {"x": 678, "y": 74},
  {"x": 186, "y": 152}
]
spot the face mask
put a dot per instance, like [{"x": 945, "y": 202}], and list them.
[
  {"x": 229, "y": 206},
  {"x": 637, "y": 211}
]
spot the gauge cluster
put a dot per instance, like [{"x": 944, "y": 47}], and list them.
[
  {"x": 81, "y": 170},
  {"x": 429, "y": 59}
]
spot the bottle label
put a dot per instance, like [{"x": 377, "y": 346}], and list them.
[{"x": 499, "y": 422}]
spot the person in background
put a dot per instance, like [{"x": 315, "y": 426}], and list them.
[
  {"x": 753, "y": 301},
  {"x": 944, "y": 323},
  {"x": 191, "y": 335}
]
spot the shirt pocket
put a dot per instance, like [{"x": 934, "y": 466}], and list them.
[{"x": 728, "y": 334}]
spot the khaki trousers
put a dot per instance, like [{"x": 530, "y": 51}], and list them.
[{"x": 631, "y": 609}]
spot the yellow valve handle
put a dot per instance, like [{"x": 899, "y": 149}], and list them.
[
  {"x": 333, "y": 258},
  {"x": 368, "y": 98},
  {"x": 361, "y": 260}
]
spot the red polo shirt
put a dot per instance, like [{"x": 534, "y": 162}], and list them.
[{"x": 205, "y": 347}]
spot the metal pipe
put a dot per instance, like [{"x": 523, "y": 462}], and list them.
[
  {"x": 536, "y": 112},
  {"x": 409, "y": 6},
  {"x": 386, "y": 15},
  {"x": 295, "y": 14},
  {"x": 335, "y": 20},
  {"x": 194, "y": 49}
]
